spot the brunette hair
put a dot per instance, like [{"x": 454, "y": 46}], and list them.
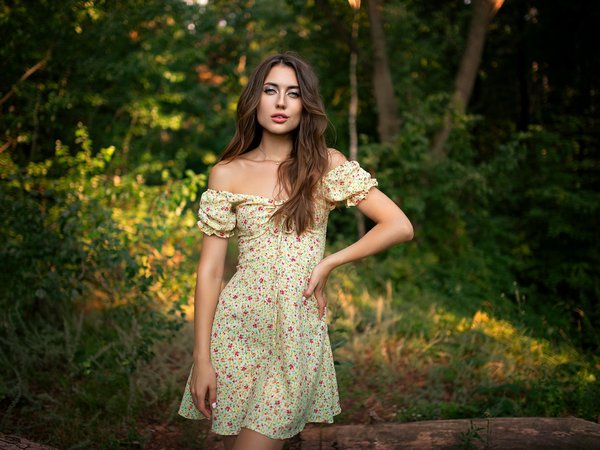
[{"x": 308, "y": 163}]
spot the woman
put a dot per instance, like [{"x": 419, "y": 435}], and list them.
[{"x": 263, "y": 365}]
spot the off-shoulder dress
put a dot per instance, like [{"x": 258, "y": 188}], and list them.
[{"x": 269, "y": 348}]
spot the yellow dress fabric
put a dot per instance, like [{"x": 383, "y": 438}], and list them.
[{"x": 269, "y": 348}]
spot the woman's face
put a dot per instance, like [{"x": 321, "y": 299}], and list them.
[{"x": 280, "y": 106}]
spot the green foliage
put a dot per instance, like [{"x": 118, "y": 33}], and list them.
[
  {"x": 423, "y": 358},
  {"x": 91, "y": 280},
  {"x": 473, "y": 322},
  {"x": 512, "y": 233},
  {"x": 469, "y": 440}
]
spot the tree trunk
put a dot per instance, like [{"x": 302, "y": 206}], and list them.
[
  {"x": 483, "y": 12},
  {"x": 353, "y": 108},
  {"x": 523, "y": 70},
  {"x": 352, "y": 113},
  {"x": 388, "y": 120},
  {"x": 336, "y": 23}
]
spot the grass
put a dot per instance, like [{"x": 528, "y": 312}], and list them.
[{"x": 415, "y": 359}]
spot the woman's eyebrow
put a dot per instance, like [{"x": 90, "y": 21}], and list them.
[{"x": 277, "y": 86}]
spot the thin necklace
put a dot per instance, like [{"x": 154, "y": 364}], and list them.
[{"x": 267, "y": 158}]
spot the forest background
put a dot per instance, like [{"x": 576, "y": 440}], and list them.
[{"x": 479, "y": 118}]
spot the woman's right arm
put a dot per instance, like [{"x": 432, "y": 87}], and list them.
[{"x": 209, "y": 278}]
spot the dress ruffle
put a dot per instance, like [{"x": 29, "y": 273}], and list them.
[
  {"x": 215, "y": 214},
  {"x": 348, "y": 183}
]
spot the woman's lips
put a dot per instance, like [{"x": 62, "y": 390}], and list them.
[{"x": 279, "y": 118}]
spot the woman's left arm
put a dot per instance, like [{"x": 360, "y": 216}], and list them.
[{"x": 392, "y": 227}]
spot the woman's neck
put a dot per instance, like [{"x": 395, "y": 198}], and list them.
[{"x": 276, "y": 147}]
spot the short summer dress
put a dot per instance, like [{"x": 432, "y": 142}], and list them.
[{"x": 269, "y": 348}]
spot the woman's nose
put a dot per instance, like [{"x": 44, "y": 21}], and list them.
[{"x": 281, "y": 100}]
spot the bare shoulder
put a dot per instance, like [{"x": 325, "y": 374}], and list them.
[
  {"x": 222, "y": 174},
  {"x": 336, "y": 158}
]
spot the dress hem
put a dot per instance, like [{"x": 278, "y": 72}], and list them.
[{"x": 287, "y": 435}]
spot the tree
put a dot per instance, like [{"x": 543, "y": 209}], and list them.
[
  {"x": 483, "y": 13},
  {"x": 353, "y": 107},
  {"x": 388, "y": 121}
]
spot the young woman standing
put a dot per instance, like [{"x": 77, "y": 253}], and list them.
[{"x": 263, "y": 365}]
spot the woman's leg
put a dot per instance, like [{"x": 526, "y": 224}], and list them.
[
  {"x": 252, "y": 440},
  {"x": 229, "y": 441}
]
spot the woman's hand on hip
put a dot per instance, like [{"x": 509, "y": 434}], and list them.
[{"x": 316, "y": 285}]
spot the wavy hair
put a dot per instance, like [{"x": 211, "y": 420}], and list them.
[{"x": 308, "y": 162}]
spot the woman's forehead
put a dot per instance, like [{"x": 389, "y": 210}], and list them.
[{"x": 282, "y": 76}]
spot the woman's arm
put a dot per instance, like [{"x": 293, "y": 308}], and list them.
[
  {"x": 209, "y": 275},
  {"x": 209, "y": 278},
  {"x": 392, "y": 227}
]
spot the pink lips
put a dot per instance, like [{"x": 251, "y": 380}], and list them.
[{"x": 279, "y": 118}]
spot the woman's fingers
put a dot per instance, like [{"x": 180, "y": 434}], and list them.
[
  {"x": 205, "y": 410},
  {"x": 316, "y": 286},
  {"x": 212, "y": 396},
  {"x": 200, "y": 402},
  {"x": 320, "y": 297},
  {"x": 321, "y": 301},
  {"x": 203, "y": 386},
  {"x": 310, "y": 287}
]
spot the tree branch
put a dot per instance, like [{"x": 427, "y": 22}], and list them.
[{"x": 37, "y": 66}]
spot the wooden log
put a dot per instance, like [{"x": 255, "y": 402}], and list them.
[
  {"x": 11, "y": 442},
  {"x": 516, "y": 433},
  {"x": 531, "y": 433}
]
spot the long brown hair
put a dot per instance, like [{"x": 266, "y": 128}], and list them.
[{"x": 308, "y": 163}]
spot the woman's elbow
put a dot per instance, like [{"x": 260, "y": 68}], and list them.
[
  {"x": 210, "y": 271},
  {"x": 410, "y": 232},
  {"x": 405, "y": 231}
]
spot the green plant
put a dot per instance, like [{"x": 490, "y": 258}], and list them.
[
  {"x": 472, "y": 438},
  {"x": 93, "y": 277}
]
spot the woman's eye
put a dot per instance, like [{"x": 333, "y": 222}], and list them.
[
  {"x": 294, "y": 94},
  {"x": 269, "y": 90}
]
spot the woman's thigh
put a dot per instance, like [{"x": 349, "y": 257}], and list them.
[{"x": 252, "y": 440}]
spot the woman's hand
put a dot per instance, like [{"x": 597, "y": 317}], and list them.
[
  {"x": 316, "y": 285},
  {"x": 203, "y": 386}
]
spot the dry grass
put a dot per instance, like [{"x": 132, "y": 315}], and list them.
[{"x": 417, "y": 360}]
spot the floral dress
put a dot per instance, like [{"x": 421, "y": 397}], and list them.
[{"x": 269, "y": 348}]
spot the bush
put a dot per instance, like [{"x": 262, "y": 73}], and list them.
[{"x": 94, "y": 270}]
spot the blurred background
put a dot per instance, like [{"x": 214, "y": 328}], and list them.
[{"x": 478, "y": 117}]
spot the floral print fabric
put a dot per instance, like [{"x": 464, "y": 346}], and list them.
[{"x": 269, "y": 348}]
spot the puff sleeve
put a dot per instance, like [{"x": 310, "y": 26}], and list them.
[
  {"x": 216, "y": 214},
  {"x": 348, "y": 182}
]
